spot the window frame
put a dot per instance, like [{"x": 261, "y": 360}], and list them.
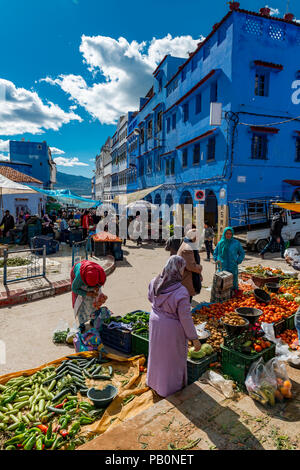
[
  {"x": 184, "y": 158},
  {"x": 259, "y": 89},
  {"x": 174, "y": 121},
  {"x": 185, "y": 109},
  {"x": 196, "y": 146},
  {"x": 209, "y": 141},
  {"x": 168, "y": 124},
  {"x": 254, "y": 145},
  {"x": 198, "y": 107}
]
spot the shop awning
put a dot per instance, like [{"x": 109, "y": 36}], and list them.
[
  {"x": 125, "y": 199},
  {"x": 65, "y": 196},
  {"x": 290, "y": 206}
]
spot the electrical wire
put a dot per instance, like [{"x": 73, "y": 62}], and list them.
[{"x": 270, "y": 124}]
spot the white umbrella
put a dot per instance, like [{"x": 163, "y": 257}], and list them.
[
  {"x": 140, "y": 205},
  {"x": 8, "y": 186}
]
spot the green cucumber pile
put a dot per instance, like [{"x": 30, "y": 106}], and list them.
[
  {"x": 43, "y": 411},
  {"x": 139, "y": 321}
]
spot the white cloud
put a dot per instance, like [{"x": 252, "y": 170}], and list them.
[
  {"x": 4, "y": 145},
  {"x": 62, "y": 161},
  {"x": 274, "y": 11},
  {"x": 56, "y": 151},
  {"x": 4, "y": 157},
  {"x": 23, "y": 111},
  {"x": 125, "y": 69}
]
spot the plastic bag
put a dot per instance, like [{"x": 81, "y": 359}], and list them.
[
  {"x": 72, "y": 333},
  {"x": 261, "y": 383},
  {"x": 284, "y": 385},
  {"x": 61, "y": 332},
  {"x": 89, "y": 341},
  {"x": 99, "y": 316},
  {"x": 217, "y": 381},
  {"x": 283, "y": 350},
  {"x": 201, "y": 331}
]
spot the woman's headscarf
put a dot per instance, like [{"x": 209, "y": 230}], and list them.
[
  {"x": 92, "y": 274},
  {"x": 224, "y": 242},
  {"x": 172, "y": 274}
]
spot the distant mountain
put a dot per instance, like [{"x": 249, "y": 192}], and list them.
[{"x": 78, "y": 184}]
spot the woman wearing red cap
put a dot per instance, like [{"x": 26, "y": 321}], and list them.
[{"x": 86, "y": 278}]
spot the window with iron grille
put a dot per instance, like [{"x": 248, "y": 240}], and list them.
[
  {"x": 149, "y": 165},
  {"x": 214, "y": 92},
  {"x": 159, "y": 121},
  {"x": 174, "y": 121},
  {"x": 159, "y": 84},
  {"x": 141, "y": 166},
  {"x": 259, "y": 147},
  {"x": 172, "y": 166},
  {"x": 196, "y": 154},
  {"x": 262, "y": 84},
  {"x": 183, "y": 74},
  {"x": 168, "y": 125},
  {"x": 298, "y": 149},
  {"x": 142, "y": 135},
  {"x": 167, "y": 167},
  {"x": 211, "y": 149},
  {"x": 198, "y": 103},
  {"x": 149, "y": 133},
  {"x": 185, "y": 112},
  {"x": 184, "y": 158},
  {"x": 158, "y": 163}
]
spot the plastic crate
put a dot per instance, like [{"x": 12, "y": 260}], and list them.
[
  {"x": 237, "y": 365},
  {"x": 290, "y": 322},
  {"x": 75, "y": 236},
  {"x": 116, "y": 338},
  {"x": 52, "y": 246},
  {"x": 196, "y": 368},
  {"x": 199, "y": 306},
  {"x": 140, "y": 343}
]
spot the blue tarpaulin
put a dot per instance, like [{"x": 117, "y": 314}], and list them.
[{"x": 66, "y": 196}]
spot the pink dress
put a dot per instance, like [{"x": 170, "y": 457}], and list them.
[{"x": 170, "y": 327}]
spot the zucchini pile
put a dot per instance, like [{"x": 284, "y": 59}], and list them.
[{"x": 44, "y": 411}]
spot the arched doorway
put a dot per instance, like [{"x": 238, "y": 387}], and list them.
[
  {"x": 211, "y": 208},
  {"x": 187, "y": 208},
  {"x": 157, "y": 200},
  {"x": 148, "y": 198}
]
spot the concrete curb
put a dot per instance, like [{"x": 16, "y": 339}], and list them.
[{"x": 9, "y": 298}]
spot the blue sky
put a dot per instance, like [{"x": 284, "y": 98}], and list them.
[{"x": 67, "y": 75}]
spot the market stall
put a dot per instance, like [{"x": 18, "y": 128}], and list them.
[{"x": 62, "y": 404}]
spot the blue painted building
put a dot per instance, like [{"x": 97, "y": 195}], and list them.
[
  {"x": 33, "y": 159},
  {"x": 247, "y": 63}
]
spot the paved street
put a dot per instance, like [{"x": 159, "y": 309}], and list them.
[
  {"x": 27, "y": 329},
  {"x": 242, "y": 424}
]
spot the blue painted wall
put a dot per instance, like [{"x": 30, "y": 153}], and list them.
[
  {"x": 35, "y": 154},
  {"x": 225, "y": 70}
]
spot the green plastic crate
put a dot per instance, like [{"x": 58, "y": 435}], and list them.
[
  {"x": 196, "y": 368},
  {"x": 290, "y": 323},
  {"x": 140, "y": 343},
  {"x": 237, "y": 365}
]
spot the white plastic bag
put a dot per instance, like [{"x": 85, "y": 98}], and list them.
[
  {"x": 282, "y": 349},
  {"x": 217, "y": 381},
  {"x": 261, "y": 383},
  {"x": 61, "y": 331},
  {"x": 201, "y": 331}
]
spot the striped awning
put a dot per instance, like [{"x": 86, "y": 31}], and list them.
[{"x": 125, "y": 199}]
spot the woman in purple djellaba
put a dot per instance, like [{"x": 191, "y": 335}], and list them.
[{"x": 170, "y": 328}]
